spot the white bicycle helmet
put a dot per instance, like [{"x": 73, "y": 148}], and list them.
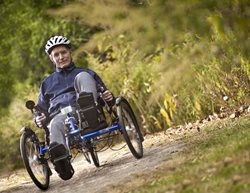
[{"x": 55, "y": 41}]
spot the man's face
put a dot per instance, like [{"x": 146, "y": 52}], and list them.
[{"x": 61, "y": 56}]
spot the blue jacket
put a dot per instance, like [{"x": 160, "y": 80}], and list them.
[{"x": 57, "y": 90}]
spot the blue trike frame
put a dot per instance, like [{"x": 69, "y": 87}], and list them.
[{"x": 75, "y": 131}]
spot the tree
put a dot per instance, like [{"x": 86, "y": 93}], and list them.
[{"x": 24, "y": 29}]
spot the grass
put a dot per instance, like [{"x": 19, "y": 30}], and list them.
[{"x": 215, "y": 160}]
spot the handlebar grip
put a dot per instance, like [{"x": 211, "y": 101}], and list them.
[
  {"x": 37, "y": 113},
  {"x": 102, "y": 89}
]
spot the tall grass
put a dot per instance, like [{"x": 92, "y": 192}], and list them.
[{"x": 181, "y": 83}]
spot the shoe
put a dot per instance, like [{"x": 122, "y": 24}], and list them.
[{"x": 61, "y": 160}]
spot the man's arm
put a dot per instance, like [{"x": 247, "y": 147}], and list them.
[{"x": 41, "y": 118}]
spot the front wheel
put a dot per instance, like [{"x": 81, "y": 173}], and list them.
[
  {"x": 130, "y": 128},
  {"x": 36, "y": 166}
]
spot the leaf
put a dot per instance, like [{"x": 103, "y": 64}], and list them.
[
  {"x": 197, "y": 106},
  {"x": 156, "y": 122},
  {"x": 165, "y": 115}
]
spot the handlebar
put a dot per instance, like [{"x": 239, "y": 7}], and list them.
[{"x": 31, "y": 106}]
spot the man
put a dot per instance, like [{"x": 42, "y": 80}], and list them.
[{"x": 60, "y": 90}]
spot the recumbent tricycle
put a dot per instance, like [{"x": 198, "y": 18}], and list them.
[{"x": 85, "y": 126}]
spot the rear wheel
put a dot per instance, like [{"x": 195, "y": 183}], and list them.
[
  {"x": 95, "y": 158},
  {"x": 36, "y": 166},
  {"x": 130, "y": 128},
  {"x": 93, "y": 154}
]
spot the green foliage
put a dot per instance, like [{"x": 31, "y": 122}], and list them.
[
  {"x": 22, "y": 51},
  {"x": 11, "y": 124}
]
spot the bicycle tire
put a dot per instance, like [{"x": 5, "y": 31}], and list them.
[
  {"x": 94, "y": 156},
  {"x": 130, "y": 128},
  {"x": 29, "y": 147}
]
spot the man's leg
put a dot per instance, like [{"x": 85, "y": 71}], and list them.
[
  {"x": 84, "y": 82},
  {"x": 58, "y": 148},
  {"x": 57, "y": 129}
]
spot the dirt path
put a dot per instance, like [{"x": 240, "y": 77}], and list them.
[{"x": 118, "y": 168}]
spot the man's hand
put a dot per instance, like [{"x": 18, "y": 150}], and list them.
[
  {"x": 107, "y": 95},
  {"x": 39, "y": 120}
]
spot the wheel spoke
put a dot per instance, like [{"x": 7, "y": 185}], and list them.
[{"x": 37, "y": 169}]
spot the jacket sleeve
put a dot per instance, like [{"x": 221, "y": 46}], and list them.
[{"x": 43, "y": 103}]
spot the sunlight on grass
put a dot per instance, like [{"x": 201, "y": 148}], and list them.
[{"x": 217, "y": 160}]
